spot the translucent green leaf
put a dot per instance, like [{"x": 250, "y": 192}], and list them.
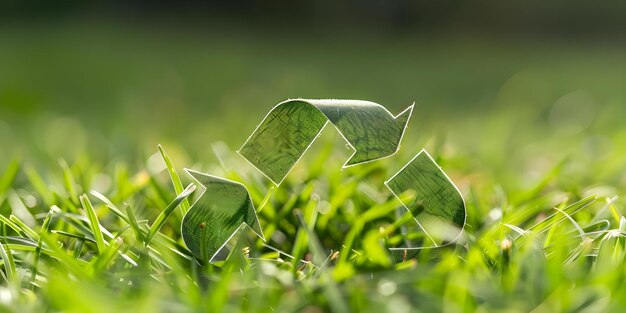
[
  {"x": 219, "y": 213},
  {"x": 435, "y": 202},
  {"x": 291, "y": 127}
]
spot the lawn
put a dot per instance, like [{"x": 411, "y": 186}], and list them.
[{"x": 530, "y": 131}]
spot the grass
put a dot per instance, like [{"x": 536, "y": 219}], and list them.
[
  {"x": 328, "y": 232},
  {"x": 99, "y": 230}
]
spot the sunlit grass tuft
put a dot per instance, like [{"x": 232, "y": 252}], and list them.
[{"x": 328, "y": 237}]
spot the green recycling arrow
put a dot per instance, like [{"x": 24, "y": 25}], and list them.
[
  {"x": 291, "y": 127},
  {"x": 435, "y": 202},
  {"x": 221, "y": 212}
]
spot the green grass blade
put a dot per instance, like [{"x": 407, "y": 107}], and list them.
[
  {"x": 107, "y": 255},
  {"x": 72, "y": 235},
  {"x": 69, "y": 181},
  {"x": 109, "y": 204},
  {"x": 266, "y": 199},
  {"x": 24, "y": 228},
  {"x": 44, "y": 228},
  {"x": 178, "y": 185},
  {"x": 66, "y": 262},
  {"x": 558, "y": 217},
  {"x": 132, "y": 219},
  {"x": 160, "y": 220},
  {"x": 331, "y": 290},
  {"x": 93, "y": 222},
  {"x": 9, "y": 266},
  {"x": 11, "y": 225},
  {"x": 112, "y": 250}
]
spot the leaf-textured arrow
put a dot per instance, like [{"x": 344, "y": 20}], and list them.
[
  {"x": 218, "y": 214},
  {"x": 290, "y": 128},
  {"x": 435, "y": 202}
]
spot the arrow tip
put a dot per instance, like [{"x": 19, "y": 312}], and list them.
[
  {"x": 205, "y": 179},
  {"x": 198, "y": 176},
  {"x": 392, "y": 145},
  {"x": 404, "y": 117}
]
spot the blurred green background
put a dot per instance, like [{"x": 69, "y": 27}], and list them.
[{"x": 502, "y": 89}]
